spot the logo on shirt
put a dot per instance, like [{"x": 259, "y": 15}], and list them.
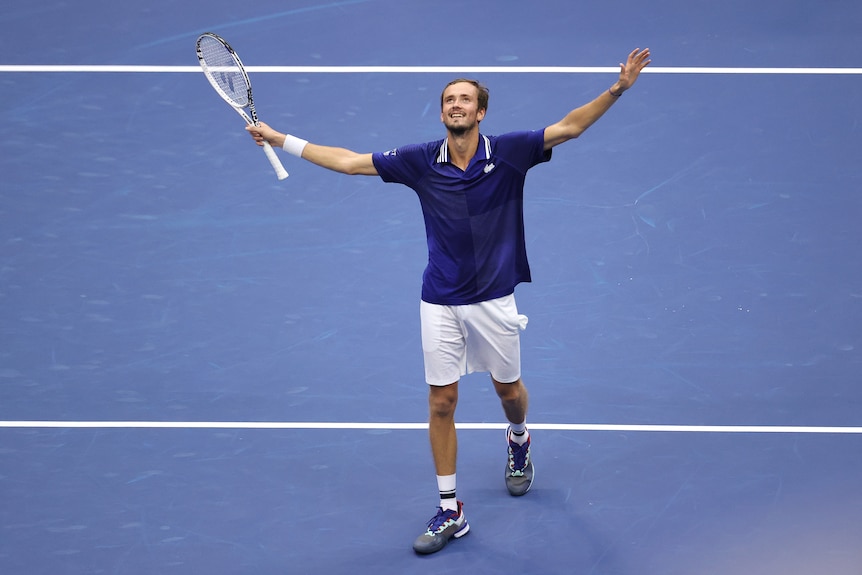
[
  {"x": 488, "y": 168},
  {"x": 391, "y": 152}
]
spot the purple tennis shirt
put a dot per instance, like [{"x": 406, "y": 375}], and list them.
[{"x": 474, "y": 219}]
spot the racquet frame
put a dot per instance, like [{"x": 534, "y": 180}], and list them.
[{"x": 250, "y": 118}]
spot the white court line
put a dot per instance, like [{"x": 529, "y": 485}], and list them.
[
  {"x": 423, "y": 426},
  {"x": 431, "y": 69}
]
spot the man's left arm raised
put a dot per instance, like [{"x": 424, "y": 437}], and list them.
[{"x": 578, "y": 120}]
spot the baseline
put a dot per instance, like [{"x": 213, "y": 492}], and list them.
[
  {"x": 653, "y": 428},
  {"x": 18, "y": 68}
]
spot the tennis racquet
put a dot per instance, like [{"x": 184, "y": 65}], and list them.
[{"x": 226, "y": 74}]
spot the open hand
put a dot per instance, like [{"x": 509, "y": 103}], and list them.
[{"x": 629, "y": 72}]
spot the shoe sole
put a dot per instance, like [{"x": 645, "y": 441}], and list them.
[
  {"x": 464, "y": 531},
  {"x": 457, "y": 535}
]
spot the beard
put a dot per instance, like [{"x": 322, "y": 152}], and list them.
[{"x": 459, "y": 129}]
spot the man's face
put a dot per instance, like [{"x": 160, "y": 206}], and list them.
[{"x": 461, "y": 111}]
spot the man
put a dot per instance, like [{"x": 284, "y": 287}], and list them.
[{"x": 470, "y": 188}]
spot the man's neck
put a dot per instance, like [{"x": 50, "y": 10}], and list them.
[{"x": 462, "y": 147}]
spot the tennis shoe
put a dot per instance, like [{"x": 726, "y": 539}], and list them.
[
  {"x": 442, "y": 527},
  {"x": 519, "y": 468}
]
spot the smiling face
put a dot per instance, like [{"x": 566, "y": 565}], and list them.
[{"x": 461, "y": 110}]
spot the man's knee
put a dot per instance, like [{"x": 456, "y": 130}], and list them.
[
  {"x": 509, "y": 391},
  {"x": 442, "y": 400}
]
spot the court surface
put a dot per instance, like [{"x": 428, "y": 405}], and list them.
[{"x": 205, "y": 370}]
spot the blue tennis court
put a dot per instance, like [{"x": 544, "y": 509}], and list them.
[{"x": 206, "y": 370}]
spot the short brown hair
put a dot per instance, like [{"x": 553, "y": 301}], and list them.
[{"x": 483, "y": 92}]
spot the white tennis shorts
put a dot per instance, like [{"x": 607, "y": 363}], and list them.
[{"x": 462, "y": 339}]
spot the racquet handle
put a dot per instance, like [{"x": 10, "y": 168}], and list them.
[{"x": 273, "y": 159}]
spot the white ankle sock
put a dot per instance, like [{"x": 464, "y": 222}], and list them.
[
  {"x": 519, "y": 433},
  {"x": 446, "y": 486}
]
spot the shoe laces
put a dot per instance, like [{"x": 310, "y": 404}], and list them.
[
  {"x": 443, "y": 519},
  {"x": 519, "y": 457}
]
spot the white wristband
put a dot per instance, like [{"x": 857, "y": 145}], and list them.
[{"x": 293, "y": 145}]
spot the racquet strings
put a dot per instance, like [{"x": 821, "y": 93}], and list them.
[{"x": 224, "y": 70}]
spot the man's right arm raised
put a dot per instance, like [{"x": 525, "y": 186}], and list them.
[{"x": 339, "y": 160}]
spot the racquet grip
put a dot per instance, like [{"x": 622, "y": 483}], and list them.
[{"x": 273, "y": 159}]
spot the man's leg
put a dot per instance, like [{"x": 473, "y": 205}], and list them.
[
  {"x": 442, "y": 401},
  {"x": 449, "y": 521},
  {"x": 519, "y": 468},
  {"x": 514, "y": 399}
]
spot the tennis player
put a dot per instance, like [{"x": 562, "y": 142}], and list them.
[{"x": 470, "y": 187}]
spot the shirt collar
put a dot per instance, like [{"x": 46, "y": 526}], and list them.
[{"x": 443, "y": 154}]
